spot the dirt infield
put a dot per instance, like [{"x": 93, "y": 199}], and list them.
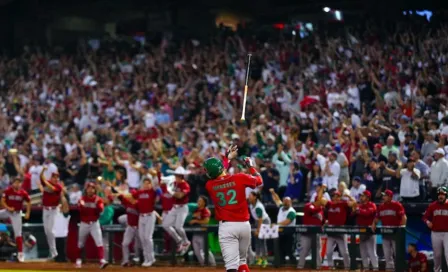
[{"x": 46, "y": 266}]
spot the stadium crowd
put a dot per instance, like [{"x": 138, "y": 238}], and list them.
[{"x": 362, "y": 110}]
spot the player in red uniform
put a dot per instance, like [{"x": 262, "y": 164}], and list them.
[
  {"x": 391, "y": 214},
  {"x": 12, "y": 200},
  {"x": 201, "y": 216},
  {"x": 166, "y": 200},
  {"x": 131, "y": 232},
  {"x": 228, "y": 194},
  {"x": 337, "y": 211},
  {"x": 436, "y": 218},
  {"x": 313, "y": 215},
  {"x": 365, "y": 215},
  {"x": 417, "y": 261},
  {"x": 146, "y": 199},
  {"x": 51, "y": 197},
  {"x": 90, "y": 207},
  {"x": 174, "y": 221}
]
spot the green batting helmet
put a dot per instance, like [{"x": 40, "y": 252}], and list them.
[
  {"x": 214, "y": 167},
  {"x": 442, "y": 190}
]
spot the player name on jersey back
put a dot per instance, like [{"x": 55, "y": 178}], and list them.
[{"x": 224, "y": 186}]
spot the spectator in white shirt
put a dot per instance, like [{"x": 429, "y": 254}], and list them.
[
  {"x": 439, "y": 172},
  {"x": 314, "y": 195},
  {"x": 75, "y": 194},
  {"x": 357, "y": 188},
  {"x": 409, "y": 186},
  {"x": 35, "y": 171},
  {"x": 331, "y": 172},
  {"x": 132, "y": 170},
  {"x": 51, "y": 168}
]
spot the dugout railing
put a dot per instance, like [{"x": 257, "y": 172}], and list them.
[{"x": 399, "y": 234}]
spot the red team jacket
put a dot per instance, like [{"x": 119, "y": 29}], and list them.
[
  {"x": 415, "y": 264},
  {"x": 92, "y": 208},
  {"x": 365, "y": 214},
  {"x": 51, "y": 198},
  {"x": 131, "y": 211},
  {"x": 183, "y": 187},
  {"x": 145, "y": 200},
  {"x": 15, "y": 198},
  {"x": 437, "y": 214},
  {"x": 337, "y": 213},
  {"x": 200, "y": 214},
  {"x": 166, "y": 200},
  {"x": 313, "y": 215},
  {"x": 391, "y": 213},
  {"x": 228, "y": 194}
]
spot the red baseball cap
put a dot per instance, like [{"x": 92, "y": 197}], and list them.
[
  {"x": 337, "y": 193},
  {"x": 378, "y": 146},
  {"x": 367, "y": 193},
  {"x": 388, "y": 193},
  {"x": 55, "y": 174}
]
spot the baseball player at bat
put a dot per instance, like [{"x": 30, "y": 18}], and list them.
[
  {"x": 365, "y": 214},
  {"x": 51, "y": 197},
  {"x": 436, "y": 218},
  {"x": 12, "y": 200},
  {"x": 337, "y": 211},
  {"x": 90, "y": 207},
  {"x": 174, "y": 221},
  {"x": 313, "y": 215},
  {"x": 228, "y": 194},
  {"x": 391, "y": 214}
]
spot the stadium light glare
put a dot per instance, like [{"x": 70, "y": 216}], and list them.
[{"x": 326, "y": 9}]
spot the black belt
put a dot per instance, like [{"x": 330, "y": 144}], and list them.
[{"x": 222, "y": 221}]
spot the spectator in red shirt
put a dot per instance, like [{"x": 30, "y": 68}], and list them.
[{"x": 417, "y": 261}]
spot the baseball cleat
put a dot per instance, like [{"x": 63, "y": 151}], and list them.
[
  {"x": 103, "y": 264},
  {"x": 184, "y": 248},
  {"x": 20, "y": 257},
  {"x": 126, "y": 265},
  {"x": 78, "y": 263},
  {"x": 147, "y": 264},
  {"x": 136, "y": 260}
]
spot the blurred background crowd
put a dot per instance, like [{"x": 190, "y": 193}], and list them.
[{"x": 356, "y": 108}]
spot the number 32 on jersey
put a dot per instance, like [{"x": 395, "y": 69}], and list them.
[{"x": 227, "y": 198}]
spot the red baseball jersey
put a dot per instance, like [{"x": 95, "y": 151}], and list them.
[
  {"x": 15, "y": 198},
  {"x": 313, "y": 215},
  {"x": 145, "y": 200},
  {"x": 365, "y": 214},
  {"x": 228, "y": 194},
  {"x": 183, "y": 187},
  {"x": 337, "y": 213},
  {"x": 131, "y": 211},
  {"x": 92, "y": 208},
  {"x": 415, "y": 264},
  {"x": 203, "y": 213},
  {"x": 390, "y": 213},
  {"x": 437, "y": 214},
  {"x": 166, "y": 199},
  {"x": 51, "y": 198}
]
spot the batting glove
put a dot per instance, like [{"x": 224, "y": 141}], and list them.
[{"x": 249, "y": 163}]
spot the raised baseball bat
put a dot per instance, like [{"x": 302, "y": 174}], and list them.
[{"x": 243, "y": 114}]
